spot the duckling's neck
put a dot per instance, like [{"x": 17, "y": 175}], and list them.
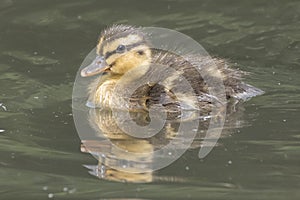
[{"x": 102, "y": 90}]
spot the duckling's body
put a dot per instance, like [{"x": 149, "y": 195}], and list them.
[{"x": 124, "y": 50}]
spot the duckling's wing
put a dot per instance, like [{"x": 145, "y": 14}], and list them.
[{"x": 158, "y": 94}]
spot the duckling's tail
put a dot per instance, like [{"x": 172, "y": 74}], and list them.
[{"x": 247, "y": 92}]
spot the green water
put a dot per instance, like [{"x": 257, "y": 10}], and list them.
[{"x": 43, "y": 43}]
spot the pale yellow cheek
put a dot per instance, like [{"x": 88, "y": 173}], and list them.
[
  {"x": 112, "y": 59},
  {"x": 126, "y": 63}
]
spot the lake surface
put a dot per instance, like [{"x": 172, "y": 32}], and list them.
[{"x": 42, "y": 45}]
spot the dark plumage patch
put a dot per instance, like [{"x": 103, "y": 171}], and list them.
[{"x": 141, "y": 52}]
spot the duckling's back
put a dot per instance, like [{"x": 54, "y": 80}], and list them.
[{"x": 197, "y": 70}]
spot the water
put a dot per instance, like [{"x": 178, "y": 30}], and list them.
[{"x": 42, "y": 45}]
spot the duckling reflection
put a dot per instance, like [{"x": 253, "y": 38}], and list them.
[
  {"x": 104, "y": 123},
  {"x": 112, "y": 162}
]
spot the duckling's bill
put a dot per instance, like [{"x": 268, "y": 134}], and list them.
[{"x": 98, "y": 66}]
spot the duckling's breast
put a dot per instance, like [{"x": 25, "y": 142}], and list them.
[
  {"x": 103, "y": 94},
  {"x": 112, "y": 93}
]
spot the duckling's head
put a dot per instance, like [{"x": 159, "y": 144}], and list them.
[{"x": 120, "y": 49}]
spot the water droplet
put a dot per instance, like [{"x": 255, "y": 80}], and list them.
[{"x": 72, "y": 191}]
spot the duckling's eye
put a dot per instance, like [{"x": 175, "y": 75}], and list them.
[{"x": 120, "y": 49}]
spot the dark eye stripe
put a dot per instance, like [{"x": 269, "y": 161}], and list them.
[
  {"x": 110, "y": 53},
  {"x": 128, "y": 47},
  {"x": 131, "y": 46}
]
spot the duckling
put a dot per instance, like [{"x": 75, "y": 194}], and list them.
[{"x": 123, "y": 49}]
